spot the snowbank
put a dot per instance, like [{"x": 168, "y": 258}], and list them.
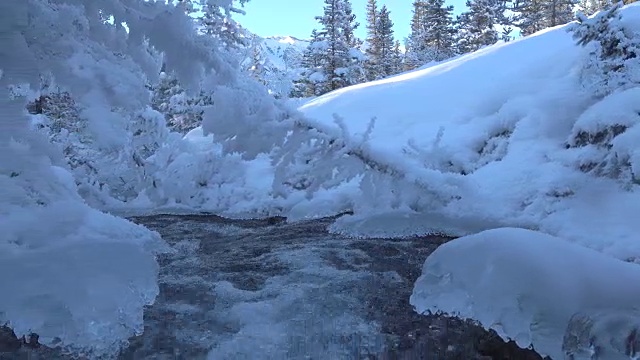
[
  {"x": 527, "y": 286},
  {"x": 493, "y": 133},
  {"x": 75, "y": 276}
]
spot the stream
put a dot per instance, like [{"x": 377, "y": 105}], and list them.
[{"x": 268, "y": 289}]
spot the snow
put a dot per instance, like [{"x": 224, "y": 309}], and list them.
[
  {"x": 548, "y": 280},
  {"x": 79, "y": 269},
  {"x": 491, "y": 139},
  {"x": 502, "y": 116},
  {"x": 494, "y": 139}
]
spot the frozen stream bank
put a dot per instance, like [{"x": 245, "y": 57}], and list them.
[{"x": 265, "y": 289}]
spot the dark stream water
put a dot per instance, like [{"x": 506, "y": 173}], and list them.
[{"x": 266, "y": 289}]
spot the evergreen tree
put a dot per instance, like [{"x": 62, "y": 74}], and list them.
[
  {"x": 382, "y": 57},
  {"x": 432, "y": 33},
  {"x": 372, "y": 41},
  {"x": 349, "y": 24},
  {"x": 476, "y": 27},
  {"x": 397, "y": 57},
  {"x": 559, "y": 12},
  {"x": 530, "y": 16},
  {"x": 337, "y": 55},
  {"x": 217, "y": 23},
  {"x": 386, "y": 43},
  {"x": 312, "y": 79},
  {"x": 332, "y": 60},
  {"x": 355, "y": 71},
  {"x": 413, "y": 44},
  {"x": 590, "y": 7},
  {"x": 535, "y": 15}
]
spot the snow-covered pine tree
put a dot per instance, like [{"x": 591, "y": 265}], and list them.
[
  {"x": 614, "y": 61},
  {"x": 216, "y": 21},
  {"x": 397, "y": 57},
  {"x": 356, "y": 64},
  {"x": 432, "y": 33},
  {"x": 312, "y": 81},
  {"x": 413, "y": 44},
  {"x": 590, "y": 7},
  {"x": 332, "y": 60},
  {"x": 182, "y": 111},
  {"x": 530, "y": 16},
  {"x": 387, "y": 55},
  {"x": 372, "y": 41},
  {"x": 476, "y": 26},
  {"x": 534, "y": 15},
  {"x": 336, "y": 59},
  {"x": 559, "y": 12}
]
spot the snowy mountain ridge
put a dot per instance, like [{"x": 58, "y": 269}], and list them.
[{"x": 276, "y": 61}]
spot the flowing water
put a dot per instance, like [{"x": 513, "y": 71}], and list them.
[{"x": 267, "y": 289}]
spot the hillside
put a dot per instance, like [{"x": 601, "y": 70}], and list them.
[{"x": 276, "y": 62}]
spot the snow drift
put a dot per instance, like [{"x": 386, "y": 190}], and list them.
[
  {"x": 496, "y": 136},
  {"x": 527, "y": 286}
]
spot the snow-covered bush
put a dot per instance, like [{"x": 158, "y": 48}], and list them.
[
  {"x": 244, "y": 118},
  {"x": 182, "y": 111},
  {"x": 613, "y": 42},
  {"x": 317, "y": 158},
  {"x": 603, "y": 137}
]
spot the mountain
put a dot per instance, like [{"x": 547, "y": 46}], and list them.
[{"x": 275, "y": 61}]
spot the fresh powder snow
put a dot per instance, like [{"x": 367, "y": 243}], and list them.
[{"x": 526, "y": 149}]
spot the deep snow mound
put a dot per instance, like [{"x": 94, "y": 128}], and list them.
[{"x": 497, "y": 134}]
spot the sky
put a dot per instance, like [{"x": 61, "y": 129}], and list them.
[{"x": 296, "y": 17}]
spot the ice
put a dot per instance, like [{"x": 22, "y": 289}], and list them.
[
  {"x": 527, "y": 286},
  {"x": 75, "y": 276},
  {"x": 609, "y": 334}
]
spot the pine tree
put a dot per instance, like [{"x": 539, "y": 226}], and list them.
[
  {"x": 530, "y": 18},
  {"x": 535, "y": 15},
  {"x": 386, "y": 43},
  {"x": 476, "y": 27},
  {"x": 372, "y": 41},
  {"x": 382, "y": 57},
  {"x": 590, "y": 7},
  {"x": 355, "y": 71},
  {"x": 349, "y": 24},
  {"x": 432, "y": 33},
  {"x": 397, "y": 57},
  {"x": 332, "y": 60},
  {"x": 312, "y": 79},
  {"x": 414, "y": 46},
  {"x": 559, "y": 12},
  {"x": 216, "y": 23}
]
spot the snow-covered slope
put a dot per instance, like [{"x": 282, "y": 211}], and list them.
[
  {"x": 276, "y": 61},
  {"x": 514, "y": 135},
  {"x": 284, "y": 52},
  {"x": 498, "y": 121}
]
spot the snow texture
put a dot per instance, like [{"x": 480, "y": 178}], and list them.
[{"x": 549, "y": 282}]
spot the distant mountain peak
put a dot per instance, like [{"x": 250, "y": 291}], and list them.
[{"x": 286, "y": 39}]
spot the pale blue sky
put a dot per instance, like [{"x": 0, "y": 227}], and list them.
[{"x": 296, "y": 17}]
